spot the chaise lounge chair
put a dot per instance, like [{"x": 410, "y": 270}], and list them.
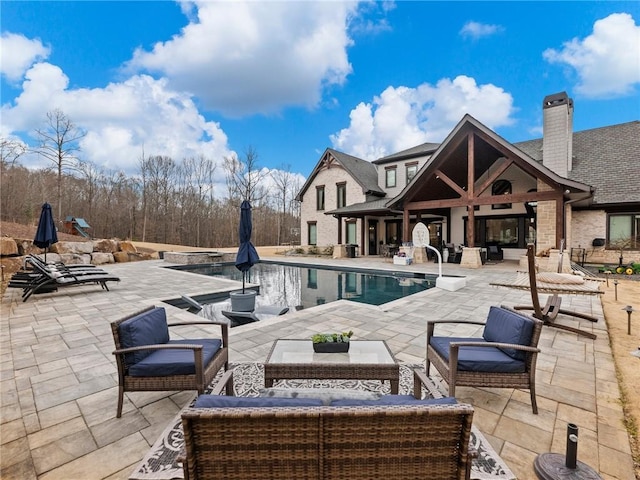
[
  {"x": 49, "y": 279},
  {"x": 553, "y": 284}
]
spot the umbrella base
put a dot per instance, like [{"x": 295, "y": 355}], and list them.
[{"x": 243, "y": 302}]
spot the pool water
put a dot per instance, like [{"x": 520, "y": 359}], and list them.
[{"x": 299, "y": 286}]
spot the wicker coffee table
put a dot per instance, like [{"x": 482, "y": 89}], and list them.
[{"x": 366, "y": 360}]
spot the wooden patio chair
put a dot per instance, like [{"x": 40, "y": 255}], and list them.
[{"x": 554, "y": 284}]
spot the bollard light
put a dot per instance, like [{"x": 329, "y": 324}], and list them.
[
  {"x": 607, "y": 274},
  {"x": 629, "y": 309},
  {"x": 615, "y": 286}
]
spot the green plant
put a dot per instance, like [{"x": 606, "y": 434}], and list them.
[
  {"x": 332, "y": 337},
  {"x": 313, "y": 250}
]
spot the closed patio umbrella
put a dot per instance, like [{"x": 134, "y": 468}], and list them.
[
  {"x": 46, "y": 234},
  {"x": 247, "y": 255}
]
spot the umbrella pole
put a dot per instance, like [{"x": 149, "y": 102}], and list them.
[{"x": 244, "y": 275}]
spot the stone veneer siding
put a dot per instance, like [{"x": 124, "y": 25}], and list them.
[{"x": 545, "y": 221}]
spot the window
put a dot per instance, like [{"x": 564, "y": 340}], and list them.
[
  {"x": 312, "y": 230},
  {"x": 623, "y": 231},
  {"x": 320, "y": 197},
  {"x": 412, "y": 169},
  {"x": 351, "y": 232},
  {"x": 513, "y": 231},
  {"x": 390, "y": 177},
  {"x": 341, "y": 189},
  {"x": 312, "y": 278},
  {"x": 501, "y": 187},
  {"x": 502, "y": 231}
]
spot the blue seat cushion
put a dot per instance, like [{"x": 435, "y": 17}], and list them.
[
  {"x": 221, "y": 401},
  {"x": 506, "y": 326},
  {"x": 394, "y": 400},
  {"x": 147, "y": 328},
  {"x": 478, "y": 359},
  {"x": 162, "y": 363}
]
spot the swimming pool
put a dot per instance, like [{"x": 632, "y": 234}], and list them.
[{"x": 302, "y": 286}]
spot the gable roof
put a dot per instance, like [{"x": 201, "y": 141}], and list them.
[
  {"x": 607, "y": 158},
  {"x": 470, "y": 123},
  {"x": 362, "y": 171}
]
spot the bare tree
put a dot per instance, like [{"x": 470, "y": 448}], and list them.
[
  {"x": 244, "y": 178},
  {"x": 10, "y": 152},
  {"x": 283, "y": 180},
  {"x": 58, "y": 143}
]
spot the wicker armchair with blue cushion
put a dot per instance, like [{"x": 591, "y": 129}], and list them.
[
  {"x": 148, "y": 360},
  {"x": 504, "y": 357}
]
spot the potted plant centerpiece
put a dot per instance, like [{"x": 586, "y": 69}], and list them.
[{"x": 331, "y": 342}]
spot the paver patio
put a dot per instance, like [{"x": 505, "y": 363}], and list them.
[{"x": 59, "y": 382}]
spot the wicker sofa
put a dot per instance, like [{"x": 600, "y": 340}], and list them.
[{"x": 396, "y": 436}]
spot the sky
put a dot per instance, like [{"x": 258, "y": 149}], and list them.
[{"x": 288, "y": 79}]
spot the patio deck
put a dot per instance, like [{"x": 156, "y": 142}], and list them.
[{"x": 59, "y": 382}]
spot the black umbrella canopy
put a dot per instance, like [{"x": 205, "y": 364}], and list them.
[
  {"x": 46, "y": 234},
  {"x": 247, "y": 255}
]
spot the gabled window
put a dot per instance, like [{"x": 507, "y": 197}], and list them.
[
  {"x": 320, "y": 197},
  {"x": 341, "y": 190},
  {"x": 501, "y": 187},
  {"x": 390, "y": 177},
  {"x": 412, "y": 169}
]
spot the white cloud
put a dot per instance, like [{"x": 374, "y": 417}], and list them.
[
  {"x": 18, "y": 54},
  {"x": 478, "y": 30},
  {"x": 248, "y": 57},
  {"x": 120, "y": 119},
  {"x": 404, "y": 117},
  {"x": 607, "y": 62}
]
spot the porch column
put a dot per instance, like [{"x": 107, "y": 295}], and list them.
[{"x": 471, "y": 223}]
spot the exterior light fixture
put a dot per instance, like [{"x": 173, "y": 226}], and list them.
[{"x": 629, "y": 309}]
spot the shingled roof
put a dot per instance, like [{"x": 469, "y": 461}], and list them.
[
  {"x": 361, "y": 171},
  {"x": 606, "y": 158}
]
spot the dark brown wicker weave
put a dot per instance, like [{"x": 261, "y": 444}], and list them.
[
  {"x": 454, "y": 377},
  {"x": 351, "y": 443},
  {"x": 203, "y": 376}
]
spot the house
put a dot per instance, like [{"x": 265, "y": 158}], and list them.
[{"x": 476, "y": 189}]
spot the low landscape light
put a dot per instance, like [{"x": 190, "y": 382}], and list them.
[{"x": 629, "y": 309}]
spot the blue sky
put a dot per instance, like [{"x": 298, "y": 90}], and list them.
[{"x": 290, "y": 79}]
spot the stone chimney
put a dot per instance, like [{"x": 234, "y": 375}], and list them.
[{"x": 557, "y": 136}]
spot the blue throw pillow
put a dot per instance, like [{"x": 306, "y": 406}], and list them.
[
  {"x": 147, "y": 328},
  {"x": 395, "y": 400},
  {"x": 506, "y": 326},
  {"x": 221, "y": 401}
]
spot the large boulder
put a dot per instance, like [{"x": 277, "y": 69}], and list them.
[
  {"x": 121, "y": 257},
  {"x": 127, "y": 246},
  {"x": 75, "y": 258},
  {"x": 8, "y": 246},
  {"x": 10, "y": 266},
  {"x": 100, "y": 258},
  {"x": 26, "y": 247},
  {"x": 72, "y": 247},
  {"x": 105, "y": 246}
]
